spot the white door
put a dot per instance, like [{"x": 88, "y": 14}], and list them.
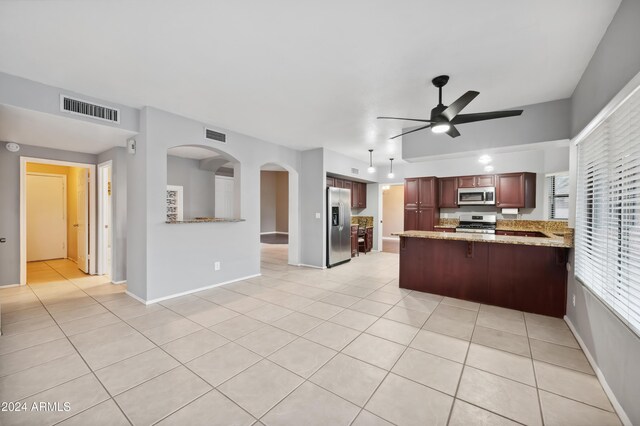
[
  {"x": 224, "y": 197},
  {"x": 46, "y": 217},
  {"x": 83, "y": 220},
  {"x": 105, "y": 223}
]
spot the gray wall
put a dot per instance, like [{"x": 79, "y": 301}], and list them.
[
  {"x": 615, "y": 348},
  {"x": 614, "y": 63},
  {"x": 543, "y": 122},
  {"x": 198, "y": 186},
  {"x": 312, "y": 200},
  {"x": 180, "y": 257},
  {"x": 23, "y": 93},
  {"x": 118, "y": 157},
  {"x": 10, "y": 202}
]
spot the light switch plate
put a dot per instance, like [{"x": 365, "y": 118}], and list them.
[{"x": 317, "y": 215}]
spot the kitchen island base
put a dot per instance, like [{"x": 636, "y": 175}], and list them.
[{"x": 529, "y": 278}]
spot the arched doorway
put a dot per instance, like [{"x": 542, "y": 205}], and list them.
[{"x": 279, "y": 222}]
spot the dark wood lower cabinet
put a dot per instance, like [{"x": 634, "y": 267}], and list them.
[{"x": 527, "y": 278}]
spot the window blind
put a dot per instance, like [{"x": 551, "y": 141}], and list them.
[
  {"x": 558, "y": 193},
  {"x": 608, "y": 211}
]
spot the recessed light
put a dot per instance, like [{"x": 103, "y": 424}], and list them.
[
  {"x": 12, "y": 147},
  {"x": 488, "y": 168},
  {"x": 484, "y": 159}
]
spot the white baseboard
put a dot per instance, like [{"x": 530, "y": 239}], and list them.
[
  {"x": 391, "y": 238},
  {"x": 614, "y": 401},
  {"x": 312, "y": 266},
  {"x": 10, "y": 285},
  {"x": 184, "y": 293},
  {"x": 274, "y": 232},
  {"x": 119, "y": 282}
]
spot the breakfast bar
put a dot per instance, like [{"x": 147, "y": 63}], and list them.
[{"x": 516, "y": 272}]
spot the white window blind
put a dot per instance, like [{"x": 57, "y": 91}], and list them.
[
  {"x": 608, "y": 211},
  {"x": 558, "y": 193}
]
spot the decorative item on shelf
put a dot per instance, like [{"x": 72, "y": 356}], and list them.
[
  {"x": 390, "y": 175},
  {"x": 371, "y": 169},
  {"x": 174, "y": 203}
]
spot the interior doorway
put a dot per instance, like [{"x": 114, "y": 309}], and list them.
[
  {"x": 57, "y": 214},
  {"x": 105, "y": 219},
  {"x": 278, "y": 216},
  {"x": 274, "y": 214},
  {"x": 392, "y": 217}
]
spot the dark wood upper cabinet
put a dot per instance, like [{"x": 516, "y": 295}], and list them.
[
  {"x": 485, "y": 180},
  {"x": 466, "y": 181},
  {"x": 448, "y": 192},
  {"x": 331, "y": 182},
  {"x": 516, "y": 190},
  {"x": 477, "y": 181},
  {"x": 428, "y": 193},
  {"x": 358, "y": 190},
  {"x": 362, "y": 194},
  {"x": 411, "y": 193}
]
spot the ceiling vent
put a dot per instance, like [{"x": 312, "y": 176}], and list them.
[
  {"x": 215, "y": 136},
  {"x": 88, "y": 109},
  {"x": 355, "y": 171}
]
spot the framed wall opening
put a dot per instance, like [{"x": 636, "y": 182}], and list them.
[{"x": 86, "y": 220}]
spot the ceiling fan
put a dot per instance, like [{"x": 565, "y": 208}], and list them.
[{"x": 444, "y": 118}]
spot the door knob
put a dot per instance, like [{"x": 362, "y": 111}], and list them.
[{"x": 75, "y": 225}]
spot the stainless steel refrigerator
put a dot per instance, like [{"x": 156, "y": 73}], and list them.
[{"x": 339, "y": 226}]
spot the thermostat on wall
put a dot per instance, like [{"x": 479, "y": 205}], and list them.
[
  {"x": 131, "y": 146},
  {"x": 12, "y": 146}
]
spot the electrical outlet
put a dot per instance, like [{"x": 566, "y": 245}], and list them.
[
  {"x": 317, "y": 215},
  {"x": 574, "y": 300},
  {"x": 216, "y": 266}
]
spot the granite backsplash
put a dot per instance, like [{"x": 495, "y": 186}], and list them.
[{"x": 363, "y": 221}]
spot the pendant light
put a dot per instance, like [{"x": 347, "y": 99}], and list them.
[
  {"x": 371, "y": 169},
  {"x": 390, "y": 175}
]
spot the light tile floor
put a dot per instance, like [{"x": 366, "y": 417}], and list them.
[{"x": 294, "y": 346}]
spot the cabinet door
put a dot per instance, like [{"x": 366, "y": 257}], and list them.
[
  {"x": 411, "y": 220},
  {"x": 466, "y": 181},
  {"x": 427, "y": 192},
  {"x": 510, "y": 190},
  {"x": 426, "y": 219},
  {"x": 331, "y": 182},
  {"x": 347, "y": 184},
  {"x": 485, "y": 180},
  {"x": 448, "y": 192},
  {"x": 369, "y": 239},
  {"x": 339, "y": 183},
  {"x": 411, "y": 193},
  {"x": 362, "y": 195}
]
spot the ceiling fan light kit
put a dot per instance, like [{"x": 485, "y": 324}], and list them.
[{"x": 444, "y": 118}]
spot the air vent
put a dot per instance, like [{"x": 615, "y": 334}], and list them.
[
  {"x": 88, "y": 109},
  {"x": 215, "y": 136},
  {"x": 355, "y": 171}
]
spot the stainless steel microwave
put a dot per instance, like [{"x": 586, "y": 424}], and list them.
[{"x": 485, "y": 196}]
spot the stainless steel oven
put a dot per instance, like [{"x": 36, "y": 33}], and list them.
[{"x": 485, "y": 196}]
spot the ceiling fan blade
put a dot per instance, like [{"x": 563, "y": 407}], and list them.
[
  {"x": 481, "y": 116},
  {"x": 453, "y": 132},
  {"x": 406, "y": 119},
  {"x": 457, "y": 106},
  {"x": 411, "y": 131}
]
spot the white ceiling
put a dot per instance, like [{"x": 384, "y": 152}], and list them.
[
  {"x": 53, "y": 131},
  {"x": 305, "y": 74}
]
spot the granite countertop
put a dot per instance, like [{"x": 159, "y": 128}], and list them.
[
  {"x": 551, "y": 241},
  {"x": 204, "y": 220}
]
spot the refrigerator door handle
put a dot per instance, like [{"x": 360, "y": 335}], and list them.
[{"x": 341, "y": 216}]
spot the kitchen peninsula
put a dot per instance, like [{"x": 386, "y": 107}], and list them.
[{"x": 516, "y": 272}]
